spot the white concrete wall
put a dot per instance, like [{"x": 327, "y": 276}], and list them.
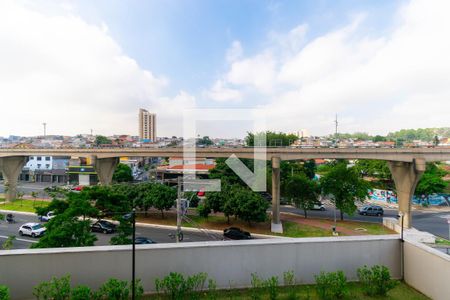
[
  {"x": 427, "y": 270},
  {"x": 230, "y": 263}
]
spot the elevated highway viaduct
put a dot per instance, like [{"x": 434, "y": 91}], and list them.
[{"x": 406, "y": 165}]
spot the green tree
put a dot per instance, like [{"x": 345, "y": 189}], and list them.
[
  {"x": 251, "y": 206},
  {"x": 102, "y": 140},
  {"x": 378, "y": 169},
  {"x": 205, "y": 141},
  {"x": 163, "y": 197},
  {"x": 115, "y": 201},
  {"x": 345, "y": 186},
  {"x": 379, "y": 138},
  {"x": 304, "y": 192},
  {"x": 215, "y": 201},
  {"x": 66, "y": 229},
  {"x": 34, "y": 195},
  {"x": 273, "y": 139},
  {"x": 226, "y": 175},
  {"x": 431, "y": 181},
  {"x": 123, "y": 173}
]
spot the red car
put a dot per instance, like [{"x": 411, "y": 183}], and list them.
[{"x": 78, "y": 188}]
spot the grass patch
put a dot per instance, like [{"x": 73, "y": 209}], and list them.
[
  {"x": 400, "y": 292},
  {"x": 369, "y": 228},
  {"x": 441, "y": 241},
  {"x": 292, "y": 229},
  {"x": 24, "y": 205}
]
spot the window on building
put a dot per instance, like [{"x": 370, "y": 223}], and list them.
[
  {"x": 39, "y": 158},
  {"x": 39, "y": 166},
  {"x": 47, "y": 158},
  {"x": 31, "y": 157},
  {"x": 47, "y": 166}
]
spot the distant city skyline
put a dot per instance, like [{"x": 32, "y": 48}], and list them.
[{"x": 76, "y": 66}]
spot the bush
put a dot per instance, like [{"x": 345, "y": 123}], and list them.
[
  {"x": 203, "y": 210},
  {"x": 114, "y": 289},
  {"x": 271, "y": 285},
  {"x": 376, "y": 280},
  {"x": 257, "y": 285},
  {"x": 175, "y": 286},
  {"x": 4, "y": 292},
  {"x": 212, "y": 289},
  {"x": 56, "y": 288},
  {"x": 80, "y": 292},
  {"x": 289, "y": 282},
  {"x": 331, "y": 285}
]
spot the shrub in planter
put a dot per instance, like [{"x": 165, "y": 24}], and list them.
[
  {"x": 271, "y": 286},
  {"x": 257, "y": 291},
  {"x": 175, "y": 286},
  {"x": 289, "y": 282},
  {"x": 331, "y": 285},
  {"x": 4, "y": 292},
  {"x": 56, "y": 288},
  {"x": 376, "y": 280},
  {"x": 114, "y": 289},
  {"x": 80, "y": 292}
]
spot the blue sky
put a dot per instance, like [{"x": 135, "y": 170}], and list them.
[
  {"x": 187, "y": 40},
  {"x": 380, "y": 65}
]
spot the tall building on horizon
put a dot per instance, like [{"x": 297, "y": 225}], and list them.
[{"x": 147, "y": 126}]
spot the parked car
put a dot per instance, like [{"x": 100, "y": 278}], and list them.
[
  {"x": 318, "y": 206},
  {"x": 78, "y": 188},
  {"x": 32, "y": 229},
  {"x": 47, "y": 217},
  {"x": 235, "y": 233},
  {"x": 371, "y": 210},
  {"x": 103, "y": 226},
  {"x": 143, "y": 240}
]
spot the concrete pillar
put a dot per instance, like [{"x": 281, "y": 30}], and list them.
[
  {"x": 11, "y": 168},
  {"x": 406, "y": 175},
  {"x": 276, "y": 222},
  {"x": 105, "y": 168}
]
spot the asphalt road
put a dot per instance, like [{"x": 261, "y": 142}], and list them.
[
  {"x": 159, "y": 235},
  {"x": 27, "y": 188},
  {"x": 429, "y": 221}
]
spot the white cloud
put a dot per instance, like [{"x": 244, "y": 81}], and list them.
[
  {"x": 258, "y": 72},
  {"x": 398, "y": 79},
  {"x": 234, "y": 52},
  {"x": 221, "y": 93},
  {"x": 57, "y": 68}
]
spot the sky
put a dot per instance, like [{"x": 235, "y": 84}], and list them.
[{"x": 90, "y": 65}]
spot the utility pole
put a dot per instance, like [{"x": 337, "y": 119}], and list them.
[
  {"x": 133, "y": 271},
  {"x": 45, "y": 128},
  {"x": 336, "y": 128},
  {"x": 178, "y": 210}
]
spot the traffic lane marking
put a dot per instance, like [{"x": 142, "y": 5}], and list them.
[{"x": 19, "y": 239}]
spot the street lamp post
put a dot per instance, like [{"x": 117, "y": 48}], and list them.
[
  {"x": 133, "y": 275},
  {"x": 402, "y": 241}
]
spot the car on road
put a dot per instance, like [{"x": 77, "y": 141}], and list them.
[
  {"x": 45, "y": 218},
  {"x": 32, "y": 229},
  {"x": 103, "y": 226},
  {"x": 235, "y": 233},
  {"x": 371, "y": 210},
  {"x": 318, "y": 206},
  {"x": 140, "y": 240}
]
